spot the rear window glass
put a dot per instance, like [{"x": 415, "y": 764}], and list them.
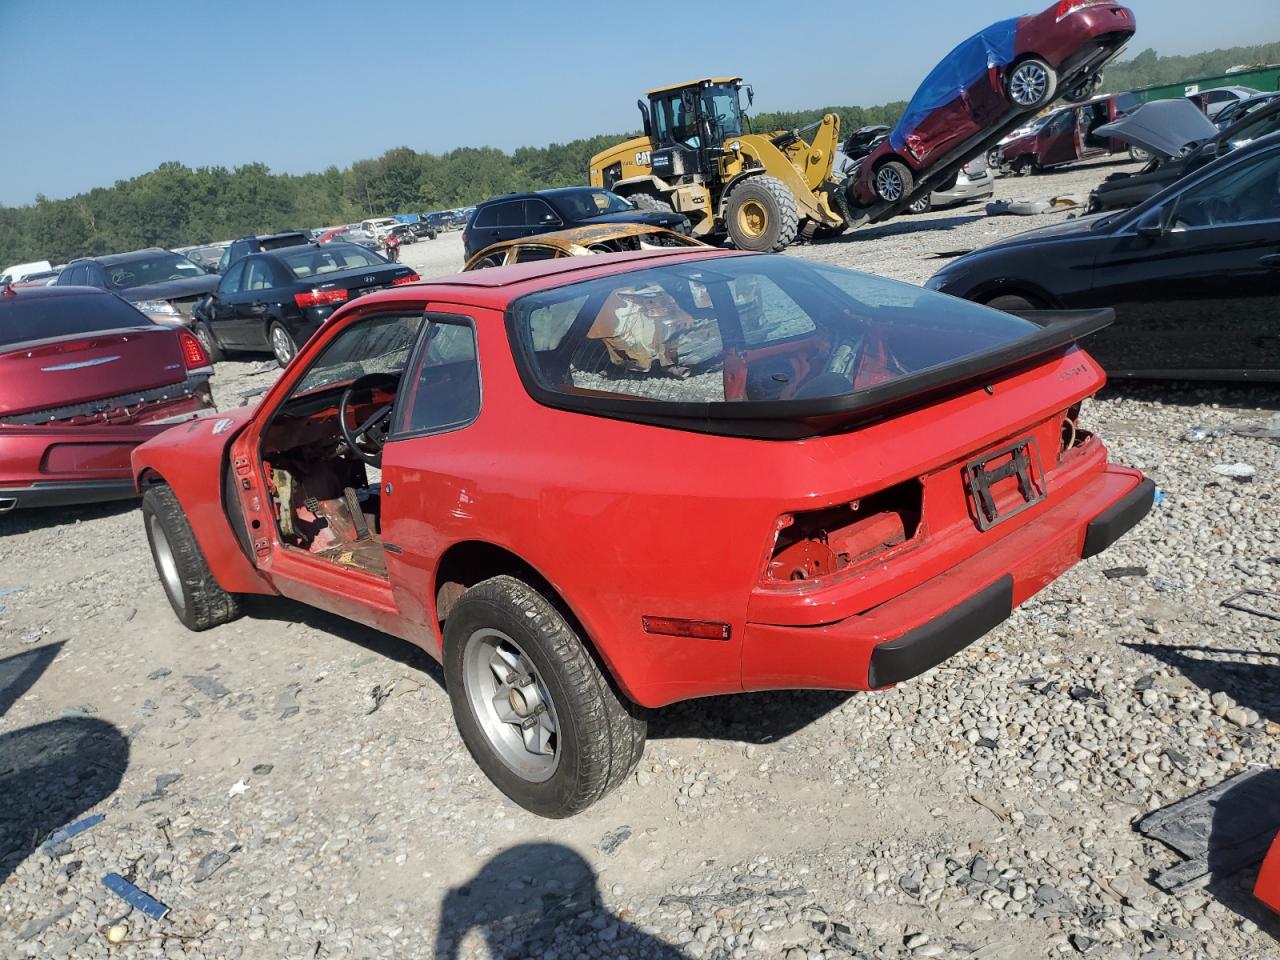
[
  {"x": 330, "y": 258},
  {"x": 746, "y": 329},
  {"x": 144, "y": 271},
  {"x": 46, "y": 318},
  {"x": 285, "y": 240}
]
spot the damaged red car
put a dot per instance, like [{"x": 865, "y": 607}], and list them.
[
  {"x": 597, "y": 485},
  {"x": 84, "y": 378},
  {"x": 988, "y": 85}
]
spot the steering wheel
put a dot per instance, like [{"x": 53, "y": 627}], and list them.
[{"x": 368, "y": 439}]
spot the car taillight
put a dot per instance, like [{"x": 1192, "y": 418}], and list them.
[
  {"x": 320, "y": 298},
  {"x": 193, "y": 352},
  {"x": 1068, "y": 7},
  {"x": 407, "y": 278}
]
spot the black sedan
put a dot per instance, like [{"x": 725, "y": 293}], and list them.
[
  {"x": 1193, "y": 273},
  {"x": 162, "y": 284},
  {"x": 273, "y": 302}
]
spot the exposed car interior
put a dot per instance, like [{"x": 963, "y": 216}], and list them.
[{"x": 321, "y": 453}]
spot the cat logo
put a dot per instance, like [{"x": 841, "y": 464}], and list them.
[{"x": 642, "y": 158}]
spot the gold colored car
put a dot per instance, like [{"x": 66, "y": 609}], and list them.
[{"x": 579, "y": 242}]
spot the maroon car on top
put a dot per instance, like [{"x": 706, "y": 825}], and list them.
[
  {"x": 84, "y": 378},
  {"x": 987, "y": 86}
]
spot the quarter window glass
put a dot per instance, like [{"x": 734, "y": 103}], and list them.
[
  {"x": 1245, "y": 194},
  {"x": 445, "y": 386}
]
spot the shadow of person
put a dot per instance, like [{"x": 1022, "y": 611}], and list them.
[
  {"x": 1254, "y": 686},
  {"x": 529, "y": 901},
  {"x": 50, "y": 773}
]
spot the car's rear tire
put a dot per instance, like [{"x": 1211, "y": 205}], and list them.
[
  {"x": 282, "y": 344},
  {"x": 533, "y": 707},
  {"x": 1031, "y": 84},
  {"x": 1025, "y": 167},
  {"x": 202, "y": 333},
  {"x": 760, "y": 214},
  {"x": 194, "y": 594},
  {"x": 923, "y": 205},
  {"x": 1012, "y": 302},
  {"x": 651, "y": 204},
  {"x": 1083, "y": 90},
  {"x": 893, "y": 181}
]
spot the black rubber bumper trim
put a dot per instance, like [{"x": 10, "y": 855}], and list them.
[
  {"x": 927, "y": 646},
  {"x": 65, "y": 494},
  {"x": 1118, "y": 519}
]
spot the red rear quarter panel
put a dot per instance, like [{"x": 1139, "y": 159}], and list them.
[
  {"x": 190, "y": 459},
  {"x": 1057, "y": 41}
]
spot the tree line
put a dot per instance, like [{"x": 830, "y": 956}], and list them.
[{"x": 175, "y": 205}]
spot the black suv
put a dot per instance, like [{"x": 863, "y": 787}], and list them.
[
  {"x": 515, "y": 215},
  {"x": 239, "y": 249}
]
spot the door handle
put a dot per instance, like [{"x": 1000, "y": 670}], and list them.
[{"x": 1271, "y": 260}]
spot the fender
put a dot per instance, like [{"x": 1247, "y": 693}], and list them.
[{"x": 192, "y": 458}]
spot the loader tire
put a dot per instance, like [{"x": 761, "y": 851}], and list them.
[
  {"x": 760, "y": 214},
  {"x": 194, "y": 594},
  {"x": 651, "y": 204}
]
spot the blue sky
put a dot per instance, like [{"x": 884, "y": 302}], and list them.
[{"x": 99, "y": 90}]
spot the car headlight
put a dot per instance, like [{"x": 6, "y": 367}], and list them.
[{"x": 158, "y": 308}]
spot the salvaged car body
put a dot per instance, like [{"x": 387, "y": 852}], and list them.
[
  {"x": 85, "y": 378},
  {"x": 1070, "y": 134},
  {"x": 988, "y": 85},
  {"x": 579, "y": 242},
  {"x": 1193, "y": 273},
  {"x": 162, "y": 284},
  {"x": 638, "y": 478}
]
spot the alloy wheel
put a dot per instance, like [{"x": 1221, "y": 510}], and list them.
[
  {"x": 1028, "y": 84},
  {"x": 889, "y": 184},
  {"x": 281, "y": 345},
  {"x": 511, "y": 704}
]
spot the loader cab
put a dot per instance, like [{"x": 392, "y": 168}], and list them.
[{"x": 690, "y": 124}]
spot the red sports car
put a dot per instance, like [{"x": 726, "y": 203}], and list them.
[
  {"x": 595, "y": 484},
  {"x": 986, "y": 87},
  {"x": 85, "y": 378}
]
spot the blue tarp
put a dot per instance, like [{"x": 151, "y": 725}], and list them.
[{"x": 959, "y": 70}]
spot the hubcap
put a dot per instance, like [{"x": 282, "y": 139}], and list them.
[
  {"x": 889, "y": 184},
  {"x": 166, "y": 565},
  {"x": 1028, "y": 85},
  {"x": 281, "y": 345},
  {"x": 511, "y": 704},
  {"x": 753, "y": 218}
]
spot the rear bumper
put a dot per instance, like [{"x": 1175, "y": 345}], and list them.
[
  {"x": 66, "y": 493},
  {"x": 921, "y": 628},
  {"x": 966, "y": 190}
]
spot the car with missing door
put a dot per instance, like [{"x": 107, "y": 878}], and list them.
[{"x": 595, "y": 485}]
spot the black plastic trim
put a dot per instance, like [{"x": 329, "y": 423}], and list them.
[
  {"x": 1118, "y": 519},
  {"x": 925, "y": 647},
  {"x": 68, "y": 493}
]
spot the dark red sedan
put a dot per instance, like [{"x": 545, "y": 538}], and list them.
[
  {"x": 596, "y": 484},
  {"x": 84, "y": 378},
  {"x": 988, "y": 85}
]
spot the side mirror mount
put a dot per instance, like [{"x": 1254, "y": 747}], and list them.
[
  {"x": 751, "y": 95},
  {"x": 1151, "y": 225}
]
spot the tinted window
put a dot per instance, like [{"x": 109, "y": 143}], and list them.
[
  {"x": 758, "y": 328},
  {"x": 377, "y": 345},
  {"x": 232, "y": 279},
  {"x": 285, "y": 240},
  {"x": 486, "y": 217},
  {"x": 1246, "y": 193},
  {"x": 24, "y": 319},
  {"x": 146, "y": 270},
  {"x": 511, "y": 213},
  {"x": 446, "y": 380},
  {"x": 538, "y": 212},
  {"x": 331, "y": 258},
  {"x": 77, "y": 276},
  {"x": 581, "y": 204}
]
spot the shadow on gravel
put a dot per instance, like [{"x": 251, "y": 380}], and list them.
[
  {"x": 50, "y": 773},
  {"x": 1253, "y": 686},
  {"x": 904, "y": 226},
  {"x": 284, "y": 610},
  {"x": 745, "y": 717},
  {"x": 25, "y": 521},
  {"x": 528, "y": 899},
  {"x": 1194, "y": 393}
]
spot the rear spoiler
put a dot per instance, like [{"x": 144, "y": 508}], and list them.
[{"x": 800, "y": 419}]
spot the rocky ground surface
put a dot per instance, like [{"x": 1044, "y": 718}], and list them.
[{"x": 290, "y": 785}]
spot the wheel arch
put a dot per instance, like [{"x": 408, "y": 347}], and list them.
[
  {"x": 468, "y": 562},
  {"x": 1014, "y": 287}
]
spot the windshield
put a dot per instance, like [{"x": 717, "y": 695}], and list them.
[
  {"x": 1256, "y": 127},
  {"x": 379, "y": 345},
  {"x": 720, "y": 103},
  {"x": 45, "y": 318},
  {"x": 153, "y": 268},
  {"x": 735, "y": 329},
  {"x": 584, "y": 204},
  {"x": 332, "y": 257}
]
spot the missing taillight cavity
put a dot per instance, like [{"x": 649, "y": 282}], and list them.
[
  {"x": 818, "y": 543},
  {"x": 1074, "y": 436}
]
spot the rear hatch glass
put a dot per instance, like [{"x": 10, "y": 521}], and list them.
[{"x": 765, "y": 338}]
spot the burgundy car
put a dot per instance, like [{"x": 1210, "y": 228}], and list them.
[
  {"x": 84, "y": 378},
  {"x": 987, "y": 86}
]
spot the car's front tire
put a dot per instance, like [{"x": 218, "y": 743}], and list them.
[
  {"x": 194, "y": 594},
  {"x": 202, "y": 333},
  {"x": 533, "y": 707},
  {"x": 1032, "y": 84},
  {"x": 893, "y": 181}
]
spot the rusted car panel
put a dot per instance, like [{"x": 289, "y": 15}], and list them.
[{"x": 579, "y": 242}]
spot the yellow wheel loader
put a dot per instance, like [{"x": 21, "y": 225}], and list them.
[{"x": 699, "y": 157}]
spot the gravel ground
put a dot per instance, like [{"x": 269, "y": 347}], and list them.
[{"x": 984, "y": 810}]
